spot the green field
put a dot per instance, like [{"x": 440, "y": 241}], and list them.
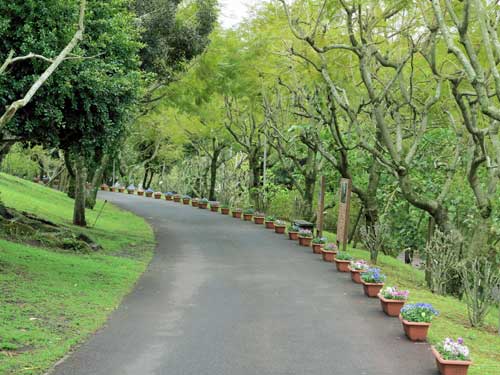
[{"x": 51, "y": 300}]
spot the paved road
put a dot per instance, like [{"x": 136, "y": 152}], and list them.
[{"x": 224, "y": 297}]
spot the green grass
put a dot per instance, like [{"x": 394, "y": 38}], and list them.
[
  {"x": 52, "y": 300},
  {"x": 484, "y": 342}
]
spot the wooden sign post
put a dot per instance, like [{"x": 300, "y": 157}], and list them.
[
  {"x": 321, "y": 207},
  {"x": 343, "y": 218}
]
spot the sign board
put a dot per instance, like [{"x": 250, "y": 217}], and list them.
[{"x": 344, "y": 207}]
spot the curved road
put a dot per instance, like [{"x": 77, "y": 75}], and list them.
[{"x": 224, "y": 297}]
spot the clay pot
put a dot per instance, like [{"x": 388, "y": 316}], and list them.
[
  {"x": 237, "y": 214},
  {"x": 247, "y": 217},
  {"x": 270, "y": 224},
  {"x": 141, "y": 193},
  {"x": 157, "y": 195},
  {"x": 121, "y": 190},
  {"x": 415, "y": 331},
  {"x": 168, "y": 197},
  {"x": 149, "y": 194},
  {"x": 305, "y": 241},
  {"x": 280, "y": 229},
  {"x": 36, "y": 180},
  {"x": 104, "y": 187},
  {"x": 130, "y": 191},
  {"x": 372, "y": 289},
  {"x": 356, "y": 275},
  {"x": 342, "y": 265},
  {"x": 328, "y": 256},
  {"x": 392, "y": 307},
  {"x": 214, "y": 208},
  {"x": 224, "y": 211},
  {"x": 177, "y": 199},
  {"x": 450, "y": 367},
  {"x": 317, "y": 248},
  {"x": 294, "y": 236},
  {"x": 202, "y": 206},
  {"x": 186, "y": 201},
  {"x": 112, "y": 189},
  {"x": 258, "y": 220},
  {"x": 195, "y": 203}
]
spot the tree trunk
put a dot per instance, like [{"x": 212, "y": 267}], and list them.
[
  {"x": 80, "y": 193},
  {"x": 214, "y": 165},
  {"x": 148, "y": 183},
  {"x": 145, "y": 179},
  {"x": 309, "y": 187},
  {"x": 71, "y": 176},
  {"x": 96, "y": 182},
  {"x": 254, "y": 181}
]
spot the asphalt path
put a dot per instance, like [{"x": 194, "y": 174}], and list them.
[{"x": 228, "y": 297}]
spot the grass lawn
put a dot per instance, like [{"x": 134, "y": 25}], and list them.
[
  {"x": 52, "y": 300},
  {"x": 484, "y": 343}
]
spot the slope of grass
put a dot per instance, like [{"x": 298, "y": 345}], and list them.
[
  {"x": 52, "y": 300},
  {"x": 484, "y": 342}
]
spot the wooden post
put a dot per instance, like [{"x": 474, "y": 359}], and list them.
[
  {"x": 343, "y": 218},
  {"x": 321, "y": 207}
]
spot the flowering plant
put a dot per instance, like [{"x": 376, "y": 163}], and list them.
[
  {"x": 319, "y": 240},
  {"x": 279, "y": 223},
  {"x": 392, "y": 292},
  {"x": 330, "y": 247},
  {"x": 419, "y": 312},
  {"x": 249, "y": 211},
  {"x": 186, "y": 197},
  {"x": 169, "y": 193},
  {"x": 214, "y": 204},
  {"x": 259, "y": 214},
  {"x": 237, "y": 210},
  {"x": 224, "y": 206},
  {"x": 271, "y": 218},
  {"x": 342, "y": 255},
  {"x": 360, "y": 265},
  {"x": 305, "y": 233},
  {"x": 293, "y": 228},
  {"x": 204, "y": 201},
  {"x": 373, "y": 276},
  {"x": 131, "y": 187},
  {"x": 150, "y": 190},
  {"x": 453, "y": 350}
]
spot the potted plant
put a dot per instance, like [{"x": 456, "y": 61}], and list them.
[
  {"x": 237, "y": 213},
  {"x": 392, "y": 300},
  {"x": 416, "y": 319},
  {"x": 373, "y": 281},
  {"x": 342, "y": 261},
  {"x": 259, "y": 217},
  {"x": 248, "y": 214},
  {"x": 121, "y": 189},
  {"x": 279, "y": 226},
  {"x": 317, "y": 244},
  {"x": 270, "y": 221},
  {"x": 293, "y": 232},
  {"x": 203, "y": 203},
  {"x": 169, "y": 195},
  {"x": 149, "y": 193},
  {"x": 214, "y": 206},
  {"x": 140, "y": 192},
  {"x": 112, "y": 189},
  {"x": 157, "y": 194},
  {"x": 186, "y": 199},
  {"x": 356, "y": 268},
  {"x": 305, "y": 237},
  {"x": 452, "y": 357},
  {"x": 224, "y": 209},
  {"x": 131, "y": 189},
  {"x": 329, "y": 251},
  {"x": 104, "y": 187},
  {"x": 195, "y": 202},
  {"x": 177, "y": 198}
]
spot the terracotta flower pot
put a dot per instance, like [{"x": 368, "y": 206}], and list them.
[
  {"x": 177, "y": 199},
  {"x": 258, "y": 220},
  {"x": 195, "y": 203},
  {"x": 141, "y": 193},
  {"x": 121, "y": 190},
  {"x": 328, "y": 256},
  {"x": 186, "y": 201},
  {"x": 317, "y": 248},
  {"x": 294, "y": 236},
  {"x": 415, "y": 331},
  {"x": 104, "y": 187},
  {"x": 214, "y": 208},
  {"x": 36, "y": 180},
  {"x": 280, "y": 229},
  {"x": 270, "y": 224},
  {"x": 149, "y": 194},
  {"x": 247, "y": 217},
  {"x": 157, "y": 195},
  {"x": 450, "y": 367},
  {"x": 130, "y": 191},
  {"x": 392, "y": 307},
  {"x": 168, "y": 197},
  {"x": 202, "y": 206},
  {"x": 224, "y": 211},
  {"x": 112, "y": 189},
  {"x": 237, "y": 214},
  {"x": 372, "y": 289},
  {"x": 356, "y": 275},
  {"x": 305, "y": 241},
  {"x": 342, "y": 265}
]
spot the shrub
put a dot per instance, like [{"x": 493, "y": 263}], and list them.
[
  {"x": 419, "y": 312},
  {"x": 373, "y": 275}
]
